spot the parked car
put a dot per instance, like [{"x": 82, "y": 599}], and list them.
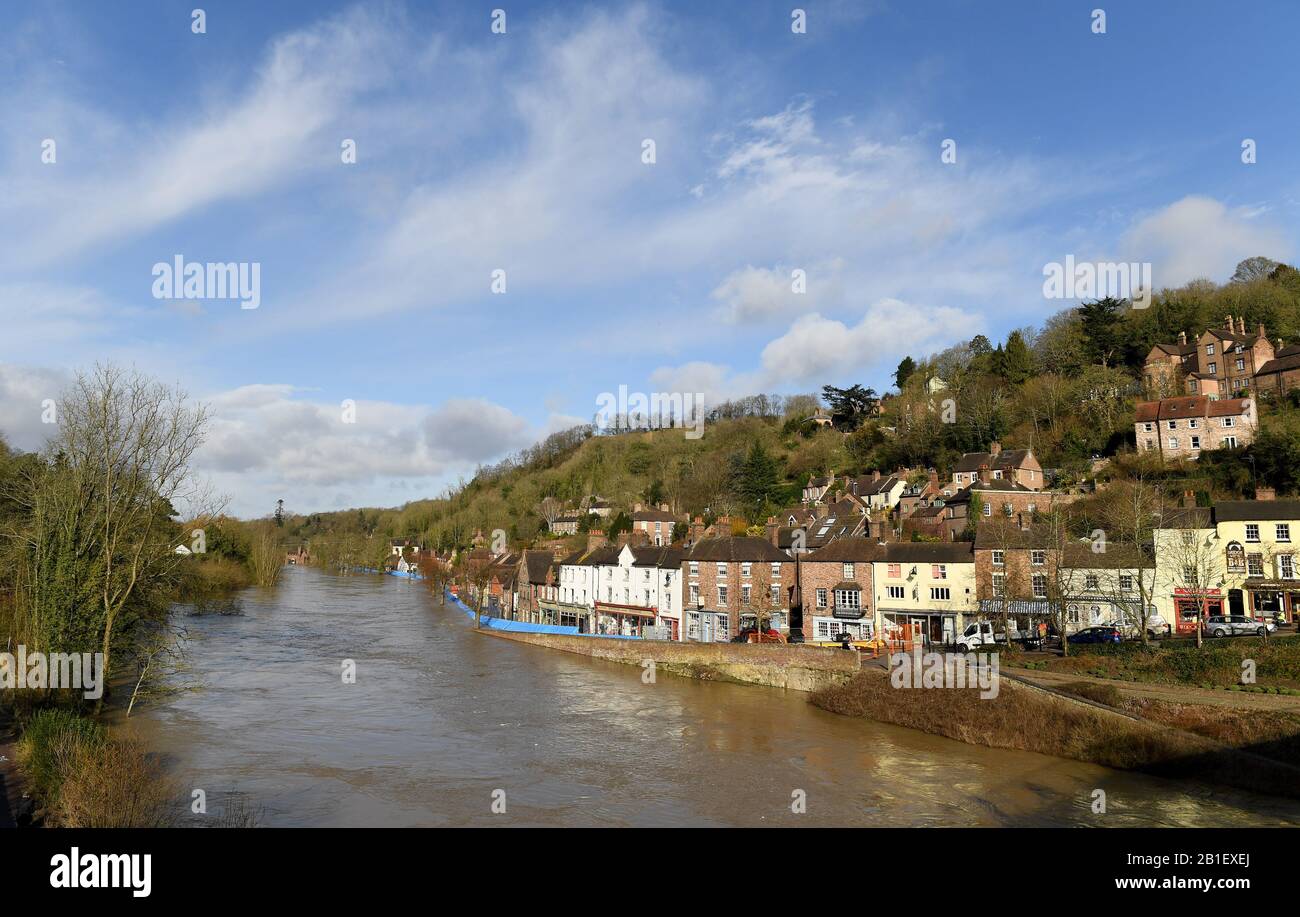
[
  {"x": 1157, "y": 628},
  {"x": 1102, "y": 633},
  {"x": 1238, "y": 625},
  {"x": 752, "y": 635}
]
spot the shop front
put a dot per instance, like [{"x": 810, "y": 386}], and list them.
[
  {"x": 1266, "y": 599},
  {"x": 934, "y": 627},
  {"x": 1191, "y": 605}
]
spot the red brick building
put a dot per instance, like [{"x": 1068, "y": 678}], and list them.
[{"x": 729, "y": 582}]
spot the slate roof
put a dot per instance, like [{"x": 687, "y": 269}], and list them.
[{"x": 737, "y": 548}]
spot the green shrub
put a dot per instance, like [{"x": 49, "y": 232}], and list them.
[{"x": 50, "y": 736}]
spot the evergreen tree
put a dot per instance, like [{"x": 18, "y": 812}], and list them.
[{"x": 904, "y": 372}]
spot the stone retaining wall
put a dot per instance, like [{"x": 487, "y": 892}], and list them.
[{"x": 796, "y": 667}]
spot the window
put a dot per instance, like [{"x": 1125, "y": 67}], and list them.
[
  {"x": 895, "y": 571},
  {"x": 940, "y": 594},
  {"x": 1038, "y": 558},
  {"x": 1230, "y": 442},
  {"x": 894, "y": 592},
  {"x": 1172, "y": 424},
  {"x": 848, "y": 571},
  {"x": 1252, "y": 531},
  {"x": 1209, "y": 350},
  {"x": 1173, "y": 442},
  {"x": 821, "y": 598},
  {"x": 1126, "y": 582},
  {"x": 776, "y": 596},
  {"x": 1006, "y": 509},
  {"x": 999, "y": 584},
  {"x": 745, "y": 594},
  {"x": 988, "y": 509},
  {"x": 997, "y": 475},
  {"x": 1040, "y": 585},
  {"x": 745, "y": 568},
  {"x": 1229, "y": 421},
  {"x": 695, "y": 568},
  {"x": 695, "y": 593},
  {"x": 848, "y": 598},
  {"x": 722, "y": 568},
  {"x": 1148, "y": 427},
  {"x": 1196, "y": 442},
  {"x": 1254, "y": 564},
  {"x": 999, "y": 558},
  {"x": 1213, "y": 368},
  {"x": 938, "y": 571},
  {"x": 1286, "y": 566},
  {"x": 1284, "y": 531},
  {"x": 1091, "y": 582},
  {"x": 1191, "y": 424},
  {"x": 776, "y": 570},
  {"x": 1241, "y": 364}
]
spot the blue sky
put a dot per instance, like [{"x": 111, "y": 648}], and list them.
[{"x": 522, "y": 151}]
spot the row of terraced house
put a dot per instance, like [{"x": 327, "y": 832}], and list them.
[{"x": 846, "y": 563}]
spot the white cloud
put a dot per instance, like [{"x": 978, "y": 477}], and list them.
[
  {"x": 145, "y": 174},
  {"x": 23, "y": 389},
  {"x": 816, "y": 350},
  {"x": 1200, "y": 237}
]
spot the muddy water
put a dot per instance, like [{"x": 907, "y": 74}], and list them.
[{"x": 440, "y": 718}]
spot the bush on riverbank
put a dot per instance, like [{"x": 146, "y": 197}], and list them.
[
  {"x": 83, "y": 778},
  {"x": 1180, "y": 662},
  {"x": 1029, "y": 720}
]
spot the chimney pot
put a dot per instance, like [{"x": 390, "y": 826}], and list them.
[
  {"x": 1182, "y": 338},
  {"x": 995, "y": 447}
]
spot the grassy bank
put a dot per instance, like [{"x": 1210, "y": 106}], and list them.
[
  {"x": 1272, "y": 733},
  {"x": 1028, "y": 720},
  {"x": 1217, "y": 664},
  {"x": 83, "y": 776}
]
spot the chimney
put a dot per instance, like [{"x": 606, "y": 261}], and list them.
[
  {"x": 1189, "y": 499},
  {"x": 985, "y": 474},
  {"x": 839, "y": 495},
  {"x": 934, "y": 476},
  {"x": 875, "y": 476},
  {"x": 636, "y": 507},
  {"x": 595, "y": 539},
  {"x": 1265, "y": 493},
  {"x": 623, "y": 538},
  {"x": 995, "y": 447},
  {"x": 1261, "y": 332},
  {"x": 820, "y": 510},
  {"x": 663, "y": 507},
  {"x": 1229, "y": 325},
  {"x": 772, "y": 531},
  {"x": 1182, "y": 338},
  {"x": 696, "y": 530}
]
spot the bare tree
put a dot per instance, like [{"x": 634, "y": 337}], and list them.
[{"x": 113, "y": 474}]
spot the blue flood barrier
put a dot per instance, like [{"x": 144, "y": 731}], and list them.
[{"x": 524, "y": 627}]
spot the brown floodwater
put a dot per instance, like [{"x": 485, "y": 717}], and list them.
[{"x": 440, "y": 719}]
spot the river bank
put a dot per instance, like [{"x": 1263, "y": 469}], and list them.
[{"x": 1074, "y": 724}]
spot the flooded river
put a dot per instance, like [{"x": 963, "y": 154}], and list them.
[{"x": 441, "y": 718}]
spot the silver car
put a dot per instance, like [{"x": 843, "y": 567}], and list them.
[{"x": 1238, "y": 625}]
